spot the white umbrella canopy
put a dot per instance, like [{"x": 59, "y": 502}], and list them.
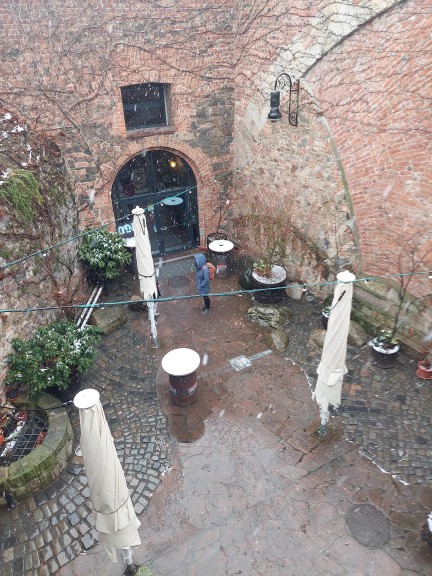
[
  {"x": 145, "y": 265},
  {"x": 116, "y": 521},
  {"x": 332, "y": 369}
]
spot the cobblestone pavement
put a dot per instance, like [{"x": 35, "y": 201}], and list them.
[
  {"x": 386, "y": 416},
  {"x": 387, "y": 412},
  {"x": 47, "y": 531}
]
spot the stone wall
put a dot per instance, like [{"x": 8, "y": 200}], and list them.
[
  {"x": 75, "y": 90},
  {"x": 43, "y": 465},
  {"x": 52, "y": 278}
]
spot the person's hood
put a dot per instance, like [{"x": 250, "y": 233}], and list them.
[{"x": 200, "y": 260}]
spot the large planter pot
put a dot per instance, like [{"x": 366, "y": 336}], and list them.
[
  {"x": 216, "y": 236},
  {"x": 424, "y": 371},
  {"x": 385, "y": 357},
  {"x": 70, "y": 392},
  {"x": 273, "y": 293}
]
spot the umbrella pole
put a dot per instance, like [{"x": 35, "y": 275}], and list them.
[
  {"x": 324, "y": 421},
  {"x": 151, "y": 313},
  {"x": 131, "y": 568}
]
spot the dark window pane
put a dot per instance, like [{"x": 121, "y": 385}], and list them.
[
  {"x": 169, "y": 170},
  {"x": 144, "y": 106}
]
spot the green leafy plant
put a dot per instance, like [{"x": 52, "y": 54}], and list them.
[
  {"x": 20, "y": 190},
  {"x": 105, "y": 253},
  {"x": 386, "y": 340},
  {"x": 262, "y": 268},
  {"x": 52, "y": 356}
]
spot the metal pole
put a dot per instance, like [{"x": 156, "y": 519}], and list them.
[
  {"x": 324, "y": 420},
  {"x": 151, "y": 313},
  {"x": 131, "y": 568}
]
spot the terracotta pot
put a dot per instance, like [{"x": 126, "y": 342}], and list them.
[{"x": 424, "y": 372}]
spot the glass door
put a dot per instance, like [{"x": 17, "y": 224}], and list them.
[
  {"x": 163, "y": 185},
  {"x": 173, "y": 224}
]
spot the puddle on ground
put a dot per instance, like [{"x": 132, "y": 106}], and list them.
[{"x": 187, "y": 423}]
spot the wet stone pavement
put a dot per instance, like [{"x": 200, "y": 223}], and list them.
[{"x": 239, "y": 482}]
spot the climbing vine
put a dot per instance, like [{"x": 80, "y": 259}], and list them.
[{"x": 20, "y": 189}]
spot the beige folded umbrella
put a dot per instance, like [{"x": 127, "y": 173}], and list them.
[
  {"x": 332, "y": 369},
  {"x": 145, "y": 265},
  {"x": 116, "y": 521}
]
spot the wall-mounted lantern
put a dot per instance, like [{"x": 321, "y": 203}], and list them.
[{"x": 282, "y": 81}]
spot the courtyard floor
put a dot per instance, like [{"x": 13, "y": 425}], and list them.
[{"x": 239, "y": 482}]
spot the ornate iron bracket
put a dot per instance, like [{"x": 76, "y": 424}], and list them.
[{"x": 282, "y": 81}]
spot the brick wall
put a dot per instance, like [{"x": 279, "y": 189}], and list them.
[
  {"x": 341, "y": 189},
  {"x": 351, "y": 184}
]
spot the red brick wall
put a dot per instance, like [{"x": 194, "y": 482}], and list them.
[
  {"x": 374, "y": 92},
  {"x": 341, "y": 188},
  {"x": 65, "y": 69}
]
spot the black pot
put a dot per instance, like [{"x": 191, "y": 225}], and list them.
[
  {"x": 245, "y": 279},
  {"x": 216, "y": 236},
  {"x": 12, "y": 392},
  {"x": 324, "y": 321},
  {"x": 270, "y": 296},
  {"x": 68, "y": 394},
  {"x": 385, "y": 358}
]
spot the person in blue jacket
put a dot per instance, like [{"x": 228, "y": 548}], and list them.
[{"x": 203, "y": 280}]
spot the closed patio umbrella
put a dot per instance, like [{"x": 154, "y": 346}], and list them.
[
  {"x": 116, "y": 521},
  {"x": 332, "y": 369},
  {"x": 145, "y": 265}
]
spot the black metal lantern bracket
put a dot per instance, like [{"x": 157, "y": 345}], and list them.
[{"x": 282, "y": 81}]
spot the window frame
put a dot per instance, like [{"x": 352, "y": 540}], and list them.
[{"x": 161, "y": 104}]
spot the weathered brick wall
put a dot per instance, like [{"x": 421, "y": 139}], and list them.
[
  {"x": 76, "y": 60},
  {"x": 374, "y": 92},
  {"x": 325, "y": 185},
  {"x": 351, "y": 184}
]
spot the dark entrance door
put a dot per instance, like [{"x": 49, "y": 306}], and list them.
[{"x": 164, "y": 185}]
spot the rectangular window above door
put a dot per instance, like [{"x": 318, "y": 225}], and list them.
[{"x": 145, "y": 105}]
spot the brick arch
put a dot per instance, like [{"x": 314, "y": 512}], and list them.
[{"x": 207, "y": 190}]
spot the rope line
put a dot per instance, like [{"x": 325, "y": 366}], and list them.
[{"x": 212, "y": 294}]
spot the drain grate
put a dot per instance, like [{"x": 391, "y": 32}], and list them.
[
  {"x": 241, "y": 362},
  {"x": 23, "y": 439},
  {"x": 177, "y": 267},
  {"x": 368, "y": 525},
  {"x": 178, "y": 281}
]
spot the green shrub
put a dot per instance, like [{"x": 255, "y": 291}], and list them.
[
  {"x": 105, "y": 253},
  {"x": 52, "y": 356}
]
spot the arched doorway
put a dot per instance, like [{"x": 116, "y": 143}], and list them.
[{"x": 164, "y": 185}]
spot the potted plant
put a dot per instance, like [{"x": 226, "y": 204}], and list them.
[
  {"x": 53, "y": 357},
  {"x": 221, "y": 210},
  {"x": 266, "y": 274},
  {"x": 385, "y": 347},
  {"x": 424, "y": 367},
  {"x": 105, "y": 255}
]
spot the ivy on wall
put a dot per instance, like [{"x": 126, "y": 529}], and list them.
[{"x": 20, "y": 189}]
